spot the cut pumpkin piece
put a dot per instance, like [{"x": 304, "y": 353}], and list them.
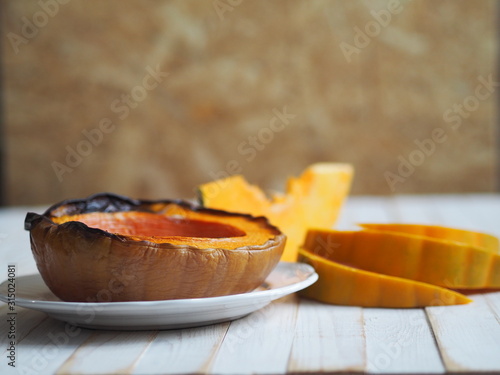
[
  {"x": 312, "y": 200},
  {"x": 343, "y": 285},
  {"x": 400, "y": 265},
  {"x": 445, "y": 263},
  {"x": 485, "y": 241}
]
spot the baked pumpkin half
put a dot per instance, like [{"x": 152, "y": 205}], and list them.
[{"x": 109, "y": 248}]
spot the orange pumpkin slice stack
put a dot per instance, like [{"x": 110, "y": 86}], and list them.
[
  {"x": 312, "y": 200},
  {"x": 396, "y": 265}
]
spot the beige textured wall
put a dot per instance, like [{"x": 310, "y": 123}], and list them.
[{"x": 152, "y": 98}]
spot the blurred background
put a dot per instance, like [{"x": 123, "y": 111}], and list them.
[{"x": 152, "y": 98}]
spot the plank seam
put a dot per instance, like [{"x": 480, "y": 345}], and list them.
[
  {"x": 365, "y": 350},
  {"x": 492, "y": 308},
  {"x": 298, "y": 302},
  {"x": 70, "y": 358},
  {"x": 33, "y": 328},
  {"x": 436, "y": 341},
  {"x": 207, "y": 367},
  {"x": 153, "y": 336}
]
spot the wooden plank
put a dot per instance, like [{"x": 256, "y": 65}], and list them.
[
  {"x": 493, "y": 300},
  {"x": 183, "y": 351},
  {"x": 468, "y": 335},
  {"x": 346, "y": 219},
  {"x": 371, "y": 209},
  {"x": 400, "y": 341},
  {"x": 415, "y": 209},
  {"x": 108, "y": 352},
  {"x": 472, "y": 212},
  {"x": 310, "y": 337},
  {"x": 328, "y": 338},
  {"x": 484, "y": 212},
  {"x": 259, "y": 343},
  {"x": 46, "y": 347},
  {"x": 459, "y": 212},
  {"x": 26, "y": 321}
]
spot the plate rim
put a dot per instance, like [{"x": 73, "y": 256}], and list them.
[{"x": 272, "y": 293}]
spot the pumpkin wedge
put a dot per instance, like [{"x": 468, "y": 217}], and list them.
[
  {"x": 312, "y": 200},
  {"x": 400, "y": 265},
  {"x": 485, "y": 241},
  {"x": 109, "y": 248},
  {"x": 340, "y": 284}
]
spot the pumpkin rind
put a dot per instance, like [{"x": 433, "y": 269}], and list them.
[{"x": 82, "y": 263}]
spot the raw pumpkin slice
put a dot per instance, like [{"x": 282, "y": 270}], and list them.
[
  {"x": 312, "y": 200},
  {"x": 436, "y": 261},
  {"x": 387, "y": 260},
  {"x": 344, "y": 285},
  {"x": 485, "y": 241}
]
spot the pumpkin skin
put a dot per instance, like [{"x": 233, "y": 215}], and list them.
[{"x": 123, "y": 254}]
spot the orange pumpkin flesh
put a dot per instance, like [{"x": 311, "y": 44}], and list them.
[
  {"x": 400, "y": 265},
  {"x": 111, "y": 248},
  {"x": 312, "y": 200},
  {"x": 145, "y": 224}
]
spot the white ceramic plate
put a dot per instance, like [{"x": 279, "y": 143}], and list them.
[{"x": 286, "y": 278}]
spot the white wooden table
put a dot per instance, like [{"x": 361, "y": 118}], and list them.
[{"x": 291, "y": 335}]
